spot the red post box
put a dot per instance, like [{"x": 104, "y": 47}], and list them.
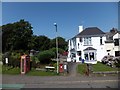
[
  {"x": 25, "y": 64},
  {"x": 61, "y": 68}
]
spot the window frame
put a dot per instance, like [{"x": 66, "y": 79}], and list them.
[
  {"x": 116, "y": 43},
  {"x": 87, "y": 41}
]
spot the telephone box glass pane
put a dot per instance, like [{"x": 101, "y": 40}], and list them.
[{"x": 22, "y": 65}]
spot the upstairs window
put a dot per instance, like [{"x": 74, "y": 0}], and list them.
[
  {"x": 87, "y": 41},
  {"x": 79, "y": 53},
  {"x": 116, "y": 42},
  {"x": 80, "y": 39}
]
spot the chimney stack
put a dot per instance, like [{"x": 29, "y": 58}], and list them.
[{"x": 80, "y": 28}]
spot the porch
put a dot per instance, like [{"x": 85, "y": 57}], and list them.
[{"x": 90, "y": 55}]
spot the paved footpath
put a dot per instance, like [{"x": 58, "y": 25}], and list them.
[{"x": 72, "y": 68}]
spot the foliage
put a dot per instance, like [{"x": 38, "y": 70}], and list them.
[
  {"x": 117, "y": 63},
  {"x": 60, "y": 51},
  {"x": 0, "y": 56},
  {"x": 81, "y": 68},
  {"x": 0, "y": 68},
  {"x": 61, "y": 43},
  {"x": 102, "y": 67},
  {"x": 45, "y": 56},
  {"x": 33, "y": 72},
  {"x": 35, "y": 58},
  {"x": 13, "y": 58},
  {"x": 99, "y": 67},
  {"x": 34, "y": 61},
  {"x": 5, "y": 55},
  {"x": 19, "y": 36},
  {"x": 9, "y": 70},
  {"x": 33, "y": 64},
  {"x": 18, "y": 39},
  {"x": 16, "y": 36},
  {"x": 55, "y": 65},
  {"x": 40, "y": 43}
]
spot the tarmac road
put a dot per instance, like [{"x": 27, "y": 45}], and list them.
[{"x": 61, "y": 81}]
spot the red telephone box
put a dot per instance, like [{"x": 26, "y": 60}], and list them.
[
  {"x": 25, "y": 64},
  {"x": 61, "y": 68}
]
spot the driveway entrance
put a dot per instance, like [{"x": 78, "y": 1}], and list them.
[{"x": 72, "y": 69}]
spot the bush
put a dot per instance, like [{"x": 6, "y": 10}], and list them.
[
  {"x": 117, "y": 62},
  {"x": 45, "y": 56},
  {"x": 55, "y": 65},
  {"x": 60, "y": 51},
  {"x": 34, "y": 61},
  {"x": 13, "y": 59},
  {"x": 33, "y": 64},
  {"x": 35, "y": 58}
]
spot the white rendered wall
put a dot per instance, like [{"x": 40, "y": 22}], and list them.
[
  {"x": 101, "y": 49},
  {"x": 100, "y": 53},
  {"x": 109, "y": 46},
  {"x": 116, "y": 48},
  {"x": 117, "y": 35}
]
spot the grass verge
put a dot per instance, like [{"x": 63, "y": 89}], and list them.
[
  {"x": 34, "y": 72},
  {"x": 81, "y": 68},
  {"x": 99, "y": 67},
  {"x": 10, "y": 70}
]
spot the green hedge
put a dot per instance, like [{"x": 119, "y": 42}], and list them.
[{"x": 45, "y": 56}]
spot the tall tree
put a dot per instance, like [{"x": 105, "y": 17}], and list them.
[
  {"x": 41, "y": 42},
  {"x": 61, "y": 43},
  {"x": 16, "y": 36}
]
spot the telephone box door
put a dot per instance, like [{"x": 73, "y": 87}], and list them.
[
  {"x": 22, "y": 65},
  {"x": 25, "y": 64}
]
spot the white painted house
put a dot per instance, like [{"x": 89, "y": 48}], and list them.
[
  {"x": 112, "y": 44},
  {"x": 90, "y": 45}
]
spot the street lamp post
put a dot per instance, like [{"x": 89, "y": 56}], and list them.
[{"x": 55, "y": 24}]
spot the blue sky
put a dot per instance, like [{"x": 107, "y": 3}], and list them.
[{"x": 68, "y": 16}]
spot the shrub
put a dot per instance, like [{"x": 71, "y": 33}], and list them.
[
  {"x": 45, "y": 56},
  {"x": 117, "y": 62},
  {"x": 33, "y": 64},
  {"x": 34, "y": 61},
  {"x": 35, "y": 58},
  {"x": 55, "y": 65},
  {"x": 13, "y": 59},
  {"x": 60, "y": 51}
]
